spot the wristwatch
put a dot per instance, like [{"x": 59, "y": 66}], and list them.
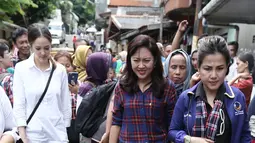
[{"x": 187, "y": 139}]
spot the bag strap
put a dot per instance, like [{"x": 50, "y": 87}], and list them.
[{"x": 44, "y": 92}]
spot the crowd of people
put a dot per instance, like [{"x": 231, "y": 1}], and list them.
[{"x": 161, "y": 93}]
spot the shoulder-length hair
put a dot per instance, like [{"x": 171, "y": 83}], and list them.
[
  {"x": 129, "y": 79},
  {"x": 63, "y": 53}
]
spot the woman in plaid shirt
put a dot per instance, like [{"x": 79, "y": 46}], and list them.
[{"x": 144, "y": 100}]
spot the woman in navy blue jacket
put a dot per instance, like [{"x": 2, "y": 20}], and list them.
[{"x": 211, "y": 111}]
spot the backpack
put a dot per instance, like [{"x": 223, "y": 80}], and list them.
[{"x": 90, "y": 114}]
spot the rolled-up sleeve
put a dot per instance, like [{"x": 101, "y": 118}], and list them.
[
  {"x": 19, "y": 98},
  {"x": 66, "y": 100},
  {"x": 176, "y": 132},
  {"x": 117, "y": 107},
  {"x": 246, "y": 132}
]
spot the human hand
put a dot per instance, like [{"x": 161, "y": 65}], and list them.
[
  {"x": 7, "y": 139},
  {"x": 25, "y": 140},
  {"x": 194, "y": 79},
  {"x": 74, "y": 88},
  {"x": 183, "y": 26},
  {"x": 243, "y": 75},
  {"x": 200, "y": 140},
  {"x": 105, "y": 138}
]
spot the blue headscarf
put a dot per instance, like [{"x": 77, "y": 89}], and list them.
[{"x": 185, "y": 85}]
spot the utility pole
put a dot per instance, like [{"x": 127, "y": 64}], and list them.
[{"x": 198, "y": 28}]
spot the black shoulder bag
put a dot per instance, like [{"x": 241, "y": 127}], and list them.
[{"x": 40, "y": 100}]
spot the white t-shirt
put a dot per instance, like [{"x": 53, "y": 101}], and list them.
[{"x": 232, "y": 71}]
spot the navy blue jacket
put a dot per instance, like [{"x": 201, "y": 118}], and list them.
[{"x": 234, "y": 101}]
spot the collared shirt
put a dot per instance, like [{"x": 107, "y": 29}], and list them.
[
  {"x": 184, "y": 115},
  {"x": 224, "y": 123},
  {"x": 143, "y": 117},
  {"x": 232, "y": 70},
  {"x": 54, "y": 113},
  {"x": 17, "y": 58},
  {"x": 74, "y": 105}
]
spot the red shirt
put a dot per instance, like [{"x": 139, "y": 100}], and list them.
[
  {"x": 74, "y": 39},
  {"x": 246, "y": 87}
]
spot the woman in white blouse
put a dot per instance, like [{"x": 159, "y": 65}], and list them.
[
  {"x": 53, "y": 115},
  {"x": 7, "y": 122}
]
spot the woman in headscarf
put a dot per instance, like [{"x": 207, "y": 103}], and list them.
[
  {"x": 80, "y": 60},
  {"x": 178, "y": 69},
  {"x": 121, "y": 63},
  {"x": 97, "y": 68},
  {"x": 193, "y": 58}
]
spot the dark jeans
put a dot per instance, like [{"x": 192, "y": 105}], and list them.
[{"x": 73, "y": 136}]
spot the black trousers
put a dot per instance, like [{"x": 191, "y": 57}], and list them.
[{"x": 73, "y": 136}]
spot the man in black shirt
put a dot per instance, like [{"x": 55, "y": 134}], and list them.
[{"x": 20, "y": 41}]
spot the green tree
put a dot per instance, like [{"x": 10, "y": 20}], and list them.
[
  {"x": 34, "y": 13},
  {"x": 85, "y": 10},
  {"x": 66, "y": 7},
  {"x": 12, "y": 7}
]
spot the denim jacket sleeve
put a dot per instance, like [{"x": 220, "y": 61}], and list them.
[
  {"x": 245, "y": 134},
  {"x": 176, "y": 133}
]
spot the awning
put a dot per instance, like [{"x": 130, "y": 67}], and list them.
[
  {"x": 124, "y": 23},
  {"x": 229, "y": 11},
  {"x": 8, "y": 26},
  {"x": 146, "y": 28},
  {"x": 133, "y": 21},
  {"x": 179, "y": 10}
]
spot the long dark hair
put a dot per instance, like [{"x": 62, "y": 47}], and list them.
[
  {"x": 129, "y": 79},
  {"x": 247, "y": 57},
  {"x": 211, "y": 45}
]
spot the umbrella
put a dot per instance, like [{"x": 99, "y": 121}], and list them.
[{"x": 91, "y": 29}]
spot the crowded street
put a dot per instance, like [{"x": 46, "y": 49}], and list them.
[{"x": 133, "y": 71}]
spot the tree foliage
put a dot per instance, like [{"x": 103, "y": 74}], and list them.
[
  {"x": 12, "y": 7},
  {"x": 85, "y": 10},
  {"x": 66, "y": 7},
  {"x": 34, "y": 13}
]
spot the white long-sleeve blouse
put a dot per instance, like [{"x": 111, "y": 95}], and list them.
[
  {"x": 54, "y": 113},
  {"x": 7, "y": 122}
]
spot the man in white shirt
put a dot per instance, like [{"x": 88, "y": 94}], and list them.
[{"x": 233, "y": 49}]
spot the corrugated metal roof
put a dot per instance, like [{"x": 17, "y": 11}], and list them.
[
  {"x": 133, "y": 21},
  {"x": 132, "y": 3}
]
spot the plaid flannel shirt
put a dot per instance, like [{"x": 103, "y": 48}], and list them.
[
  {"x": 74, "y": 104},
  {"x": 7, "y": 84},
  {"x": 142, "y": 117}
]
